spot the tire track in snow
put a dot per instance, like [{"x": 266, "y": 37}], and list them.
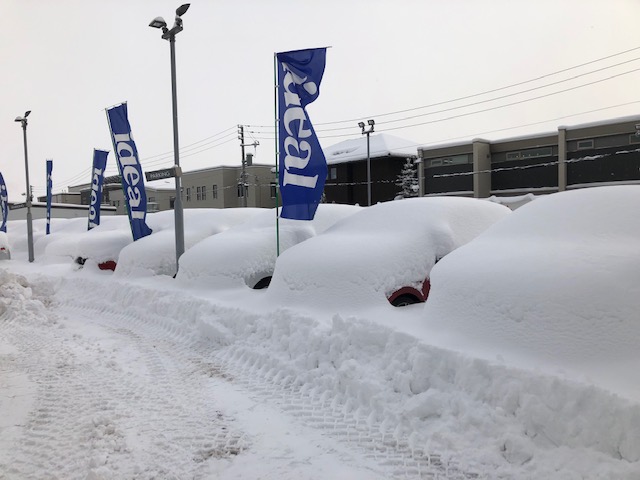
[
  {"x": 94, "y": 418},
  {"x": 400, "y": 454}
]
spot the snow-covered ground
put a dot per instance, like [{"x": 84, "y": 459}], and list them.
[{"x": 107, "y": 376}]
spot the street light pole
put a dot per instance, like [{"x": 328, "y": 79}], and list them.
[
  {"x": 367, "y": 132},
  {"x": 170, "y": 35},
  {"x": 23, "y": 121}
]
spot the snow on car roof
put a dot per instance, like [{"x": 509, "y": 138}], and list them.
[
  {"x": 249, "y": 250},
  {"x": 557, "y": 283},
  {"x": 360, "y": 260}
]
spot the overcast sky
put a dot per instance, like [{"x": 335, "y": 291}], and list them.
[{"x": 68, "y": 60}]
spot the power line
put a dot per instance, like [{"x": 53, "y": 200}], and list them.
[
  {"x": 484, "y": 92},
  {"x": 523, "y": 91},
  {"x": 163, "y": 157},
  {"x": 417, "y": 145},
  {"x": 512, "y": 103},
  {"x": 188, "y": 151},
  {"x": 191, "y": 144},
  {"x": 496, "y": 89},
  {"x": 490, "y": 108},
  {"x": 477, "y": 134},
  {"x": 160, "y": 161}
]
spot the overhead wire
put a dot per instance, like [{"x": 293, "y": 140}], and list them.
[
  {"x": 478, "y": 94},
  {"x": 194, "y": 148},
  {"x": 319, "y": 132}
]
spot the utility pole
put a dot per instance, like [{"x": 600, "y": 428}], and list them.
[
  {"x": 243, "y": 179},
  {"x": 29, "y": 192}
]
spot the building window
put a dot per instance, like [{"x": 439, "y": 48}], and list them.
[
  {"x": 188, "y": 194},
  {"x": 273, "y": 189},
  {"x": 204, "y": 193},
  {"x": 152, "y": 199},
  {"x": 333, "y": 173},
  {"x": 198, "y": 194},
  {"x": 531, "y": 153},
  {"x": 453, "y": 160},
  {"x": 240, "y": 191},
  {"x": 585, "y": 144},
  {"x": 214, "y": 191}
]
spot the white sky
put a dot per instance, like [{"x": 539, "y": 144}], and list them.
[{"x": 68, "y": 60}]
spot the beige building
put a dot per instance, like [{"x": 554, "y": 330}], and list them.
[{"x": 215, "y": 187}]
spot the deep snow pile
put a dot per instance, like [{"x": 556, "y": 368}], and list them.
[
  {"x": 556, "y": 285},
  {"x": 377, "y": 385},
  {"x": 520, "y": 365}
]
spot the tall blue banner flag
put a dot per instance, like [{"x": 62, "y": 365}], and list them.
[
  {"x": 97, "y": 178},
  {"x": 49, "y": 187},
  {"x": 4, "y": 205},
  {"x": 302, "y": 166},
  {"x": 130, "y": 170}
]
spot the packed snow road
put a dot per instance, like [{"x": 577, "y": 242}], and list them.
[{"x": 107, "y": 391}]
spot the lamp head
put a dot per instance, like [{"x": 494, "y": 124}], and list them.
[
  {"x": 361, "y": 125},
  {"x": 371, "y": 122},
  {"x": 182, "y": 9},
  {"x": 158, "y": 22},
  {"x": 24, "y": 118}
]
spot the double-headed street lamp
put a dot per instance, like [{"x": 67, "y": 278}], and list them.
[
  {"x": 367, "y": 132},
  {"x": 23, "y": 121},
  {"x": 170, "y": 34}
]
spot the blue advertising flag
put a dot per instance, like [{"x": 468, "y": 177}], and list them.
[
  {"x": 302, "y": 166},
  {"x": 130, "y": 170},
  {"x": 97, "y": 178},
  {"x": 49, "y": 186},
  {"x": 4, "y": 205}
]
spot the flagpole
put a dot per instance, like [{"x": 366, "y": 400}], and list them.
[{"x": 275, "y": 109}]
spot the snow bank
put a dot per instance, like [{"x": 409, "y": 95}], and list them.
[
  {"x": 554, "y": 285},
  {"x": 242, "y": 256},
  {"x": 507, "y": 423},
  {"x": 363, "y": 259}
]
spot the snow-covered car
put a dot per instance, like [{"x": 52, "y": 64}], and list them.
[
  {"x": 556, "y": 283},
  {"x": 244, "y": 256},
  {"x": 100, "y": 245},
  {"x": 383, "y": 253},
  {"x": 110, "y": 244},
  {"x": 155, "y": 253}
]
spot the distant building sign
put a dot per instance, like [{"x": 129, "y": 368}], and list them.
[
  {"x": 161, "y": 174},
  {"x": 16, "y": 206}
]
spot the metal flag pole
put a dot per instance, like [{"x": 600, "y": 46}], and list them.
[{"x": 275, "y": 109}]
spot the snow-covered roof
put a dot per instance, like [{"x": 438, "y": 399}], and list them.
[
  {"x": 380, "y": 145},
  {"x": 598, "y": 123}
]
